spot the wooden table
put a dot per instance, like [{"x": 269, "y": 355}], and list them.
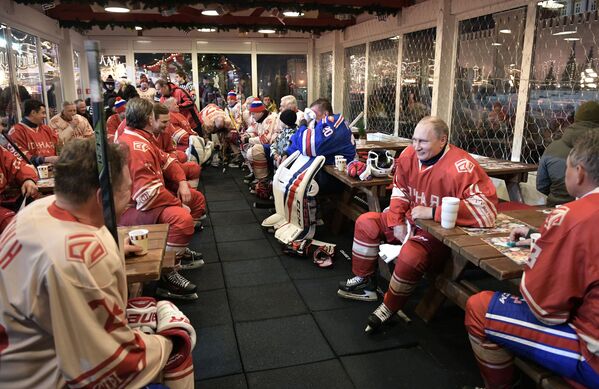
[
  {"x": 513, "y": 173},
  {"x": 146, "y": 267},
  {"x": 468, "y": 250},
  {"x": 46, "y": 185},
  {"x": 396, "y": 145}
]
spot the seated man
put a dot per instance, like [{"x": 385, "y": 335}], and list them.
[
  {"x": 552, "y": 166},
  {"x": 182, "y": 128},
  {"x": 151, "y": 202},
  {"x": 425, "y": 172},
  {"x": 35, "y": 139},
  {"x": 555, "y": 323},
  {"x": 113, "y": 122},
  {"x": 70, "y": 125},
  {"x": 63, "y": 292},
  {"x": 184, "y": 100}
]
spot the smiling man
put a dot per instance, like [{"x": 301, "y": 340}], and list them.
[{"x": 425, "y": 172}]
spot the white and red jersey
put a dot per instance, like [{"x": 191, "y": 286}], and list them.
[
  {"x": 561, "y": 279},
  {"x": 455, "y": 174},
  {"x": 14, "y": 171},
  {"x": 182, "y": 130},
  {"x": 149, "y": 167},
  {"x": 234, "y": 113},
  {"x": 266, "y": 131},
  {"x": 209, "y": 114},
  {"x": 77, "y": 128},
  {"x": 62, "y": 308},
  {"x": 112, "y": 124},
  {"x": 34, "y": 142}
]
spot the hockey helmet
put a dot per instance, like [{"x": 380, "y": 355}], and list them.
[{"x": 380, "y": 162}]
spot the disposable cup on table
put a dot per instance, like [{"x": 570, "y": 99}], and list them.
[
  {"x": 449, "y": 211},
  {"x": 140, "y": 238}
]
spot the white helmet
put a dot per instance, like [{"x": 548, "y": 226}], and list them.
[{"x": 380, "y": 163}]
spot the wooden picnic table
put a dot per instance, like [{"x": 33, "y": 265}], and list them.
[
  {"x": 396, "y": 145},
  {"x": 147, "y": 267}
]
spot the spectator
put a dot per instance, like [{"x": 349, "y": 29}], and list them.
[
  {"x": 145, "y": 92},
  {"x": 69, "y": 125},
  {"x": 270, "y": 105},
  {"x": 109, "y": 91},
  {"x": 113, "y": 122},
  {"x": 83, "y": 111},
  {"x": 552, "y": 166},
  {"x": 210, "y": 93},
  {"x": 184, "y": 83}
]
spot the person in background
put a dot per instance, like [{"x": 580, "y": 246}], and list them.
[
  {"x": 113, "y": 122},
  {"x": 183, "y": 82},
  {"x": 35, "y": 139},
  {"x": 126, "y": 90},
  {"x": 145, "y": 92},
  {"x": 233, "y": 109},
  {"x": 184, "y": 101},
  {"x": 69, "y": 125},
  {"x": 109, "y": 91},
  {"x": 210, "y": 93},
  {"x": 64, "y": 314},
  {"x": 556, "y": 322},
  {"x": 270, "y": 105},
  {"x": 552, "y": 166},
  {"x": 83, "y": 111}
]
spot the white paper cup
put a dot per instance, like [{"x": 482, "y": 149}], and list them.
[
  {"x": 42, "y": 171},
  {"x": 341, "y": 165},
  {"x": 533, "y": 239},
  {"x": 449, "y": 211},
  {"x": 140, "y": 238}
]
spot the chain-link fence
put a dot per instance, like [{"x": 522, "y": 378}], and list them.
[
  {"x": 417, "y": 70},
  {"x": 487, "y": 78},
  {"x": 325, "y": 74},
  {"x": 382, "y": 85},
  {"x": 355, "y": 82},
  {"x": 564, "y": 74}
]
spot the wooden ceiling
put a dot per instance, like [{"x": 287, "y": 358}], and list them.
[{"x": 247, "y": 16}]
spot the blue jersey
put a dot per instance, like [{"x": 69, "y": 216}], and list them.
[{"x": 328, "y": 138}]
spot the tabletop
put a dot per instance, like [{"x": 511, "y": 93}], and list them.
[{"x": 149, "y": 266}]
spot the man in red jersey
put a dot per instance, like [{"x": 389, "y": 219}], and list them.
[
  {"x": 425, "y": 172},
  {"x": 185, "y": 102},
  {"x": 113, "y": 122}
]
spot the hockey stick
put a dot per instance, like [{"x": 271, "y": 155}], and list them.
[
  {"x": 16, "y": 148},
  {"x": 92, "y": 49}
]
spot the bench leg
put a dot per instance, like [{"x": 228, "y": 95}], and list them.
[{"x": 346, "y": 198}]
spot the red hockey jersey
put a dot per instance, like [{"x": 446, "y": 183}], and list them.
[
  {"x": 561, "y": 279},
  {"x": 112, "y": 124},
  {"x": 187, "y": 107},
  {"x": 149, "y": 166},
  {"x": 14, "y": 171},
  {"x": 181, "y": 130},
  {"x": 34, "y": 142},
  {"x": 456, "y": 174}
]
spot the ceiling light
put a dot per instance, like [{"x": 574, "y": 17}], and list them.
[
  {"x": 293, "y": 14},
  {"x": 550, "y": 4},
  {"x": 568, "y": 32},
  {"x": 210, "y": 12},
  {"x": 202, "y": 43},
  {"x": 505, "y": 31},
  {"x": 144, "y": 42},
  {"x": 116, "y": 9},
  {"x": 495, "y": 44},
  {"x": 571, "y": 39},
  {"x": 206, "y": 29},
  {"x": 138, "y": 28},
  {"x": 266, "y": 31}
]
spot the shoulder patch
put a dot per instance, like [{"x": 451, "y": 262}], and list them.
[
  {"x": 556, "y": 217},
  {"x": 85, "y": 248},
  {"x": 141, "y": 146},
  {"x": 464, "y": 166}
]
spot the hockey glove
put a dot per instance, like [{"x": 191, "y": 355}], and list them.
[
  {"x": 141, "y": 314},
  {"x": 355, "y": 168},
  {"x": 173, "y": 324}
]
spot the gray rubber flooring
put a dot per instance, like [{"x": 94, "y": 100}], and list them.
[{"x": 267, "y": 320}]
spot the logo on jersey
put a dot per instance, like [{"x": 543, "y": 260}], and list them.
[
  {"x": 85, "y": 248},
  {"x": 141, "y": 146},
  {"x": 464, "y": 166},
  {"x": 556, "y": 217}
]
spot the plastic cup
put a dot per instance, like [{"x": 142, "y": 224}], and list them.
[
  {"x": 140, "y": 238},
  {"x": 340, "y": 163},
  {"x": 42, "y": 171},
  {"x": 449, "y": 211}
]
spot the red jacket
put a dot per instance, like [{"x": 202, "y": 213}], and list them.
[
  {"x": 182, "y": 130},
  {"x": 14, "y": 171},
  {"x": 34, "y": 142},
  {"x": 112, "y": 124},
  {"x": 186, "y": 105}
]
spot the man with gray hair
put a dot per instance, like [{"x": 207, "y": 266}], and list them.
[
  {"x": 425, "y": 172},
  {"x": 556, "y": 321},
  {"x": 68, "y": 124}
]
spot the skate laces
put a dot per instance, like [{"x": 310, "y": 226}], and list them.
[
  {"x": 193, "y": 254},
  {"x": 383, "y": 313},
  {"x": 178, "y": 279},
  {"x": 357, "y": 280}
]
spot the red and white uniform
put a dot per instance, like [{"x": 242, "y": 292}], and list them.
[
  {"x": 62, "y": 308},
  {"x": 112, "y": 125},
  {"x": 182, "y": 130},
  {"x": 13, "y": 172},
  {"x": 209, "y": 114},
  {"x": 34, "y": 142},
  {"x": 266, "y": 131},
  {"x": 234, "y": 113},
  {"x": 455, "y": 174},
  {"x": 165, "y": 142},
  {"x": 151, "y": 201},
  {"x": 77, "y": 128},
  {"x": 187, "y": 107}
]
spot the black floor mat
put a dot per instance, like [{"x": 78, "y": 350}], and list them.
[{"x": 265, "y": 301}]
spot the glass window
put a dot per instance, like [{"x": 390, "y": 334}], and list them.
[
  {"x": 326, "y": 75},
  {"x": 281, "y": 75},
  {"x": 165, "y": 66},
  {"x": 113, "y": 65},
  {"x": 7, "y": 106},
  {"x": 486, "y": 83},
  {"x": 578, "y": 7},
  {"x": 592, "y": 5},
  {"x": 382, "y": 85},
  {"x": 77, "y": 73},
  {"x": 224, "y": 73},
  {"x": 417, "y": 71},
  {"x": 355, "y": 82},
  {"x": 563, "y": 76},
  {"x": 51, "y": 68}
]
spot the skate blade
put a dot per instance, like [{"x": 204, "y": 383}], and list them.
[
  {"x": 168, "y": 295},
  {"x": 351, "y": 296}
]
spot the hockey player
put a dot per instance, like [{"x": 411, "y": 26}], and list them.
[
  {"x": 556, "y": 321},
  {"x": 216, "y": 122},
  {"x": 185, "y": 102},
  {"x": 181, "y": 126},
  {"x": 113, "y": 122},
  {"x": 63, "y": 293},
  {"x": 233, "y": 109},
  {"x": 151, "y": 202},
  {"x": 69, "y": 125},
  {"x": 35, "y": 139},
  {"x": 425, "y": 172}
]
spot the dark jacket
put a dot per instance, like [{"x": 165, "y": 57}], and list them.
[{"x": 552, "y": 166}]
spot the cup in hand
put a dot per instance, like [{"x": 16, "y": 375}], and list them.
[
  {"x": 140, "y": 238},
  {"x": 449, "y": 211},
  {"x": 340, "y": 163},
  {"x": 533, "y": 239}
]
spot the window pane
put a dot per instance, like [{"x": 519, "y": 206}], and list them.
[
  {"x": 486, "y": 83},
  {"x": 226, "y": 72},
  {"x": 77, "y": 73},
  {"x": 417, "y": 71},
  {"x": 52, "y": 76},
  {"x": 355, "y": 81},
  {"x": 113, "y": 65},
  {"x": 382, "y": 84},
  {"x": 281, "y": 75},
  {"x": 326, "y": 75},
  {"x": 165, "y": 66},
  {"x": 8, "y": 111},
  {"x": 564, "y": 75},
  {"x": 24, "y": 53}
]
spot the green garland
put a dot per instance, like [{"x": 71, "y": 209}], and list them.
[{"x": 244, "y": 4}]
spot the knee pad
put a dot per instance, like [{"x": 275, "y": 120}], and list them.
[{"x": 199, "y": 150}]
